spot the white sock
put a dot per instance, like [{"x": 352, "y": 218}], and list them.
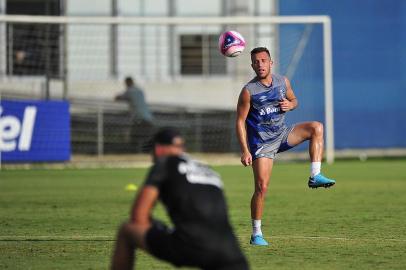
[
  {"x": 315, "y": 168},
  {"x": 256, "y": 227}
]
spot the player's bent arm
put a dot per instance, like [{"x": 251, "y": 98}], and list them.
[
  {"x": 143, "y": 205},
  {"x": 243, "y": 108},
  {"x": 290, "y": 95}
]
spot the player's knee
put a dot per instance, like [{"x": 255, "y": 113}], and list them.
[
  {"x": 261, "y": 188},
  {"x": 317, "y": 128}
]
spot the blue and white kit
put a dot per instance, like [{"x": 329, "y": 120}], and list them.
[{"x": 266, "y": 129}]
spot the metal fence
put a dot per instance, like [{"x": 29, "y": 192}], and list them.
[{"x": 101, "y": 128}]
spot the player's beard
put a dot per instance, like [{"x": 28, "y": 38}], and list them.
[{"x": 263, "y": 75}]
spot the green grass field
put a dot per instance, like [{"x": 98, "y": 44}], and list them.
[{"x": 67, "y": 219}]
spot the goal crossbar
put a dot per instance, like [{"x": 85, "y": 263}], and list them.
[{"x": 164, "y": 20}]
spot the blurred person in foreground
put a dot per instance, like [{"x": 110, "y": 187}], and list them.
[
  {"x": 192, "y": 195},
  {"x": 262, "y": 132}
]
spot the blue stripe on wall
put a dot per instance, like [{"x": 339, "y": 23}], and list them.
[{"x": 369, "y": 54}]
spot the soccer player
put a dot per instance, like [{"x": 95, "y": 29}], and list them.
[
  {"x": 192, "y": 194},
  {"x": 262, "y": 132}
]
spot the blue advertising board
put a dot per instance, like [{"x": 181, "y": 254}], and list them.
[{"x": 34, "y": 131}]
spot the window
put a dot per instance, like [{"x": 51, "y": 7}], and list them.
[
  {"x": 200, "y": 56},
  {"x": 33, "y": 49}
]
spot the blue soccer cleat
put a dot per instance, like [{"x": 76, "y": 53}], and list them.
[
  {"x": 320, "y": 181},
  {"x": 258, "y": 240}
]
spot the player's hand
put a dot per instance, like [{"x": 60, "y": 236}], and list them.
[
  {"x": 285, "y": 105},
  {"x": 246, "y": 159}
]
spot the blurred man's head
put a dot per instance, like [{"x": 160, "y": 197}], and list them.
[
  {"x": 167, "y": 142},
  {"x": 129, "y": 82}
]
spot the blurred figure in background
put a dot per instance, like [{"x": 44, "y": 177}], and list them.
[
  {"x": 136, "y": 100},
  {"x": 141, "y": 118}
]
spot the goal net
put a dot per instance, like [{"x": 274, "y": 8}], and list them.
[{"x": 186, "y": 81}]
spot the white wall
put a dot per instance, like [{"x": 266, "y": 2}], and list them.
[
  {"x": 144, "y": 53},
  {"x": 3, "y": 50},
  {"x": 88, "y": 8}
]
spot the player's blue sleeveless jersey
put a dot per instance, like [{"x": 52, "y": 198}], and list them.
[{"x": 265, "y": 120}]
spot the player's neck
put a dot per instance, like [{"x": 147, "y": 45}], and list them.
[{"x": 267, "y": 81}]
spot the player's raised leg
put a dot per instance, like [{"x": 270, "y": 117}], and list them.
[
  {"x": 312, "y": 131},
  {"x": 262, "y": 168}
]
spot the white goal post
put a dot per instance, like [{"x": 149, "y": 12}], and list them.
[{"x": 325, "y": 21}]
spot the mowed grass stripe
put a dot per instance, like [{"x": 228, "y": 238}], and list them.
[{"x": 107, "y": 238}]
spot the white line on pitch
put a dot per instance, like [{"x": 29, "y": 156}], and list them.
[
  {"x": 55, "y": 237},
  {"x": 336, "y": 238},
  {"x": 110, "y": 238}
]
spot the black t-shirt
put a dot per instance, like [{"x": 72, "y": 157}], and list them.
[{"x": 192, "y": 194}]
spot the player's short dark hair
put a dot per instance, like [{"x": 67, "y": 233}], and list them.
[
  {"x": 165, "y": 136},
  {"x": 129, "y": 81},
  {"x": 260, "y": 49}
]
